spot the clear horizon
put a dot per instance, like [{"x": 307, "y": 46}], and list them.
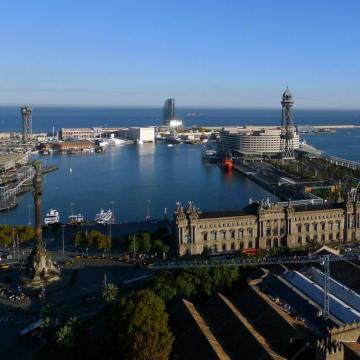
[
  {"x": 204, "y": 53},
  {"x": 190, "y": 107}
]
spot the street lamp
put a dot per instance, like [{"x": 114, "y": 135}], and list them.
[
  {"x": 72, "y": 208},
  {"x": 147, "y": 210},
  {"x": 29, "y": 214},
  {"x": 113, "y": 210},
  {"x": 63, "y": 238}
]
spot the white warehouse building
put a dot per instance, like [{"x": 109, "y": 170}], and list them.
[
  {"x": 140, "y": 134},
  {"x": 255, "y": 140}
]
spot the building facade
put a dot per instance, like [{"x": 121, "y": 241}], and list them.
[
  {"x": 255, "y": 140},
  {"x": 69, "y": 146},
  {"x": 26, "y": 123},
  {"x": 264, "y": 226},
  {"x": 140, "y": 134},
  {"x": 168, "y": 111},
  {"x": 86, "y": 133}
]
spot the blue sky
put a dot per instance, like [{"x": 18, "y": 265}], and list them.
[{"x": 219, "y": 53}]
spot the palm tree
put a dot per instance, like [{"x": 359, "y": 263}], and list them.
[
  {"x": 64, "y": 336},
  {"x": 109, "y": 293}
]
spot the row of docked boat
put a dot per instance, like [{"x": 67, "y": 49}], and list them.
[{"x": 103, "y": 217}]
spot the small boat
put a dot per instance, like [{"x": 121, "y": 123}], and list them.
[
  {"x": 209, "y": 154},
  {"x": 102, "y": 143},
  {"x": 76, "y": 219},
  {"x": 52, "y": 217},
  {"x": 170, "y": 145},
  {"x": 104, "y": 217},
  {"x": 172, "y": 140},
  {"x": 70, "y": 170}
]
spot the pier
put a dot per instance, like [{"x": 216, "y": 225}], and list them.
[
  {"x": 20, "y": 182},
  {"x": 342, "y": 162},
  {"x": 273, "y": 182}
]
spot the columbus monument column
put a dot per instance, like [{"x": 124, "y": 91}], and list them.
[
  {"x": 37, "y": 200},
  {"x": 40, "y": 269}
]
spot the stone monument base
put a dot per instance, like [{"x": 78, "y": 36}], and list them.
[{"x": 37, "y": 283}]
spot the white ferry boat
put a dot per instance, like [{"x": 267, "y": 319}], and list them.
[
  {"x": 76, "y": 219},
  {"x": 52, "y": 217},
  {"x": 104, "y": 217}
]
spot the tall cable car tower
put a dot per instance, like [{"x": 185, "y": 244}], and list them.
[{"x": 287, "y": 127}]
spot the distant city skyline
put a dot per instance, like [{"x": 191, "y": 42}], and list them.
[{"x": 207, "y": 54}]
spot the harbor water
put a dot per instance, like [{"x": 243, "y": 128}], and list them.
[{"x": 134, "y": 178}]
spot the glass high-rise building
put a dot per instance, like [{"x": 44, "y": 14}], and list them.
[
  {"x": 26, "y": 128},
  {"x": 168, "y": 111}
]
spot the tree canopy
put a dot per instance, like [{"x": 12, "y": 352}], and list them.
[
  {"x": 93, "y": 239},
  {"x": 197, "y": 281},
  {"x": 143, "y": 330},
  {"x": 20, "y": 233},
  {"x": 146, "y": 243}
]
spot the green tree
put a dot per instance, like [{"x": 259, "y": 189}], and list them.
[
  {"x": 48, "y": 317},
  {"x": 109, "y": 292},
  {"x": 98, "y": 240},
  {"x": 6, "y": 235},
  {"x": 163, "y": 285},
  {"x": 143, "y": 330},
  {"x": 158, "y": 247},
  {"x": 206, "y": 283},
  {"x": 65, "y": 334},
  {"x": 134, "y": 244},
  {"x": 21, "y": 233},
  {"x": 187, "y": 284},
  {"x": 25, "y": 233},
  {"x": 145, "y": 243},
  {"x": 80, "y": 239}
]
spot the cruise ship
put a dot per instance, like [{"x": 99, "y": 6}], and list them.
[
  {"x": 76, "y": 219},
  {"x": 104, "y": 217},
  {"x": 52, "y": 217}
]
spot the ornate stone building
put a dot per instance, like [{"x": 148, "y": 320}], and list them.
[
  {"x": 342, "y": 343},
  {"x": 265, "y": 225}
]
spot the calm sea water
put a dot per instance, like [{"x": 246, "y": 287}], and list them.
[
  {"x": 133, "y": 174},
  {"x": 44, "y": 118}
]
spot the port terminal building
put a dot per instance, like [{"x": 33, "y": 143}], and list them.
[
  {"x": 254, "y": 140},
  {"x": 264, "y": 226},
  {"x": 85, "y": 133},
  {"x": 143, "y": 134}
]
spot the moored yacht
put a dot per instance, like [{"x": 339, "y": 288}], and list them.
[
  {"x": 52, "y": 217},
  {"x": 104, "y": 217},
  {"x": 76, "y": 219}
]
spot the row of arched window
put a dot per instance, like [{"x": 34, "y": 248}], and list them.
[
  {"x": 307, "y": 239},
  {"x": 232, "y": 246},
  {"x": 317, "y": 227},
  {"x": 226, "y": 234}
]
